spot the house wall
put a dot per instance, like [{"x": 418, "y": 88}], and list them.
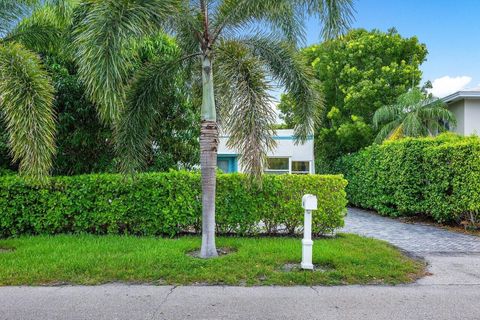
[
  {"x": 472, "y": 117},
  {"x": 458, "y": 109},
  {"x": 286, "y": 147}
]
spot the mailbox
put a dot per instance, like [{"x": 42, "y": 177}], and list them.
[{"x": 309, "y": 202}]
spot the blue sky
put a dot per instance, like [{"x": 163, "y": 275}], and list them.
[{"x": 449, "y": 28}]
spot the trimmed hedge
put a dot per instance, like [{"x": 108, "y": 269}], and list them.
[
  {"x": 165, "y": 204},
  {"x": 437, "y": 177}
]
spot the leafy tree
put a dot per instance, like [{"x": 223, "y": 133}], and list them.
[
  {"x": 413, "y": 115},
  {"x": 84, "y": 144},
  {"x": 359, "y": 72},
  {"x": 225, "y": 32}
]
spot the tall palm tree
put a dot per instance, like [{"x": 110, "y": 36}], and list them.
[
  {"x": 413, "y": 115},
  {"x": 247, "y": 43},
  {"x": 26, "y": 92}
]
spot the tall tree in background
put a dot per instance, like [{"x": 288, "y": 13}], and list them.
[
  {"x": 413, "y": 115},
  {"x": 360, "y": 72},
  {"x": 246, "y": 43}
]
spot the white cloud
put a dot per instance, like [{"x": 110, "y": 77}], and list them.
[{"x": 447, "y": 85}]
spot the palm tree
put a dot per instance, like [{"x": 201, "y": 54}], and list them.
[
  {"x": 26, "y": 92},
  {"x": 413, "y": 115},
  {"x": 248, "y": 43}
]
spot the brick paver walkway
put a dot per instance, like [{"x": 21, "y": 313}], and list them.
[{"x": 415, "y": 238}]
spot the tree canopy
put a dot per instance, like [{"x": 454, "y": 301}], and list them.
[
  {"x": 83, "y": 143},
  {"x": 359, "y": 73}
]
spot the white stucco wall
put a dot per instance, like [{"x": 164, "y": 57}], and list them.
[
  {"x": 285, "y": 148},
  {"x": 472, "y": 117},
  {"x": 458, "y": 109}
]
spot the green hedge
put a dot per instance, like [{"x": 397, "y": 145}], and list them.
[
  {"x": 165, "y": 204},
  {"x": 437, "y": 177}
]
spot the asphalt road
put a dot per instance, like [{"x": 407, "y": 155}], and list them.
[{"x": 148, "y": 302}]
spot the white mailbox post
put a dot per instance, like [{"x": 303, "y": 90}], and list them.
[{"x": 309, "y": 203}]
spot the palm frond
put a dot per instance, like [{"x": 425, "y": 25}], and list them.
[
  {"x": 413, "y": 126},
  {"x": 26, "y": 97},
  {"x": 249, "y": 115},
  {"x": 145, "y": 98},
  {"x": 63, "y": 8},
  {"x": 238, "y": 16},
  {"x": 11, "y": 11},
  {"x": 386, "y": 114},
  {"x": 102, "y": 31},
  {"x": 187, "y": 29},
  {"x": 41, "y": 32},
  {"x": 387, "y": 130},
  {"x": 336, "y": 16},
  {"x": 290, "y": 70}
]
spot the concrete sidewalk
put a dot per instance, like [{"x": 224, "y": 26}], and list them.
[{"x": 147, "y": 302}]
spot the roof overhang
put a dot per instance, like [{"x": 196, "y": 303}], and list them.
[{"x": 461, "y": 95}]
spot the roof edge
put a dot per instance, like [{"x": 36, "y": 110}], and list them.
[{"x": 459, "y": 95}]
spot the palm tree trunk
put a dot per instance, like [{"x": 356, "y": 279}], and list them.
[{"x": 208, "y": 161}]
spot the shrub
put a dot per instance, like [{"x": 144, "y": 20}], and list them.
[
  {"x": 165, "y": 204},
  {"x": 437, "y": 177}
]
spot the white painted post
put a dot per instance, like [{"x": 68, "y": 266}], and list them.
[{"x": 309, "y": 203}]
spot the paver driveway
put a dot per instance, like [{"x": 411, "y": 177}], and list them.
[{"x": 415, "y": 238}]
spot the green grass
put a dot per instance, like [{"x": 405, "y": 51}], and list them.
[{"x": 89, "y": 260}]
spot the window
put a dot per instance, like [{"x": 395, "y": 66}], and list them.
[
  {"x": 278, "y": 165},
  {"x": 227, "y": 163},
  {"x": 300, "y": 167},
  {"x": 224, "y": 165}
]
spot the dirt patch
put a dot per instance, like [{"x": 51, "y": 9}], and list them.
[
  {"x": 221, "y": 252},
  {"x": 295, "y": 267},
  {"x": 6, "y": 250}
]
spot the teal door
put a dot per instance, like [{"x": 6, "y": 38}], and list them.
[{"x": 227, "y": 163}]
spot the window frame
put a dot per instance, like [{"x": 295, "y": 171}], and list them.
[
  {"x": 279, "y": 171},
  {"x": 309, "y": 170}
]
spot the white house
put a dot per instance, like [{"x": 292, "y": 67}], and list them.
[
  {"x": 466, "y": 107},
  {"x": 287, "y": 157}
]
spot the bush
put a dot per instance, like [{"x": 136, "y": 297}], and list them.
[
  {"x": 437, "y": 177},
  {"x": 165, "y": 204}
]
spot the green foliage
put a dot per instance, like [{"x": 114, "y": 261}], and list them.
[
  {"x": 90, "y": 260},
  {"x": 265, "y": 34},
  {"x": 165, "y": 204},
  {"x": 437, "y": 177},
  {"x": 26, "y": 96},
  {"x": 413, "y": 115},
  {"x": 85, "y": 145},
  {"x": 333, "y": 142},
  {"x": 359, "y": 72}
]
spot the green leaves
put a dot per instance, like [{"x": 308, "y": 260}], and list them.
[
  {"x": 289, "y": 69},
  {"x": 246, "y": 105},
  {"x": 165, "y": 204},
  {"x": 148, "y": 94},
  {"x": 102, "y": 32},
  {"x": 415, "y": 114},
  {"x": 26, "y": 97},
  {"x": 436, "y": 177}
]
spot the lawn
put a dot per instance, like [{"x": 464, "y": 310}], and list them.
[{"x": 345, "y": 259}]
